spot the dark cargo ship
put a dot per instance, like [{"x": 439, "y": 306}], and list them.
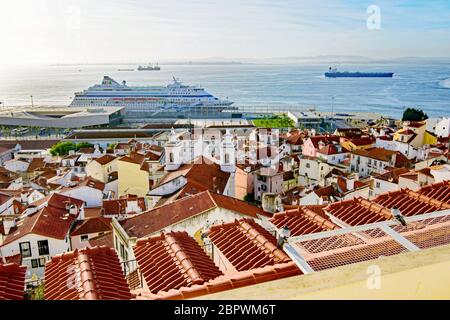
[{"x": 333, "y": 73}]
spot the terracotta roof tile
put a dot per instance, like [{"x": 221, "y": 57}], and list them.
[
  {"x": 105, "y": 239},
  {"x": 105, "y": 159},
  {"x": 52, "y": 220},
  {"x": 410, "y": 203},
  {"x": 95, "y": 274},
  {"x": 57, "y": 200},
  {"x": 92, "y": 225},
  {"x": 375, "y": 153},
  {"x": 12, "y": 281},
  {"x": 173, "y": 260},
  {"x": 93, "y": 212},
  {"x": 361, "y": 211},
  {"x": 203, "y": 172},
  {"x": 237, "y": 205},
  {"x": 439, "y": 191},
  {"x": 35, "y": 164},
  {"x": 302, "y": 221},
  {"x": 166, "y": 215},
  {"x": 326, "y": 139},
  {"x": 363, "y": 141},
  {"x": 331, "y": 149},
  {"x": 119, "y": 206},
  {"x": 227, "y": 282},
  {"x": 159, "y": 218},
  {"x": 358, "y": 211},
  {"x": 392, "y": 175},
  {"x": 246, "y": 244}
]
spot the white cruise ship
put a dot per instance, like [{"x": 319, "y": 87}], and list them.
[{"x": 173, "y": 100}]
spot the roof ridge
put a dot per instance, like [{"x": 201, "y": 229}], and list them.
[
  {"x": 250, "y": 230},
  {"x": 375, "y": 207},
  {"x": 183, "y": 258},
  {"x": 317, "y": 219},
  {"x": 427, "y": 199},
  {"x": 212, "y": 198},
  {"x": 87, "y": 277}
]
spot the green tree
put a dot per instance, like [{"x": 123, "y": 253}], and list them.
[
  {"x": 62, "y": 148},
  {"x": 83, "y": 145},
  {"x": 412, "y": 114}
]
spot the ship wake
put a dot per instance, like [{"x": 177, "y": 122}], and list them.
[{"x": 445, "y": 83}]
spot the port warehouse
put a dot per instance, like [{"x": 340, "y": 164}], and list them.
[
  {"x": 61, "y": 117},
  {"x": 85, "y": 117}
]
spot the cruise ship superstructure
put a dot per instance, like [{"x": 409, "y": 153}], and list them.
[{"x": 174, "y": 100}]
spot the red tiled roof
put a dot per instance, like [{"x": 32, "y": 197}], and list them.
[
  {"x": 172, "y": 261},
  {"x": 57, "y": 200},
  {"x": 406, "y": 132},
  {"x": 87, "y": 182},
  {"x": 392, "y": 175},
  {"x": 361, "y": 211},
  {"x": 92, "y": 225},
  {"x": 237, "y": 205},
  {"x": 358, "y": 211},
  {"x": 17, "y": 258},
  {"x": 159, "y": 218},
  {"x": 105, "y": 159},
  {"x": 325, "y": 139},
  {"x": 105, "y": 239},
  {"x": 439, "y": 191},
  {"x": 87, "y": 274},
  {"x": 302, "y": 221},
  {"x": 364, "y": 141},
  {"x": 331, "y": 149},
  {"x": 205, "y": 173},
  {"x": 4, "y": 198},
  {"x": 119, "y": 206},
  {"x": 410, "y": 203},
  {"x": 246, "y": 244},
  {"x": 93, "y": 212},
  {"x": 48, "y": 222},
  {"x": 376, "y": 153},
  {"x": 36, "y": 163},
  {"x": 12, "y": 281},
  {"x": 53, "y": 220},
  {"x": 166, "y": 215},
  {"x": 134, "y": 157},
  {"x": 228, "y": 282}
]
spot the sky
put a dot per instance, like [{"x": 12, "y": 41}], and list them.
[{"x": 86, "y": 31}]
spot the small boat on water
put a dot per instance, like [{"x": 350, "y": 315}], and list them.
[{"x": 149, "y": 67}]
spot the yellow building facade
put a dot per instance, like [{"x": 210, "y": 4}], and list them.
[{"x": 133, "y": 178}]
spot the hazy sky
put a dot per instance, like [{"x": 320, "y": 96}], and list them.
[{"x": 66, "y": 31}]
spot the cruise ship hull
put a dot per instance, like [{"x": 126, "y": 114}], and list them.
[{"x": 174, "y": 101}]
